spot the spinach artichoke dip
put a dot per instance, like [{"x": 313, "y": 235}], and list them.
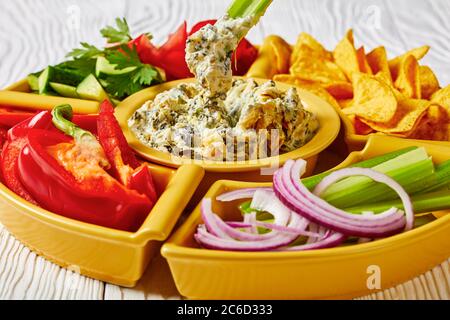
[{"x": 218, "y": 116}]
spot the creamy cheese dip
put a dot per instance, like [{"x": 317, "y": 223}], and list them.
[
  {"x": 186, "y": 122},
  {"x": 209, "y": 51},
  {"x": 220, "y": 118}
]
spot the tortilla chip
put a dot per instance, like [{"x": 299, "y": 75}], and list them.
[
  {"x": 311, "y": 67},
  {"x": 308, "y": 86},
  {"x": 408, "y": 80},
  {"x": 362, "y": 61},
  {"x": 442, "y": 97},
  {"x": 407, "y": 117},
  {"x": 433, "y": 126},
  {"x": 429, "y": 84},
  {"x": 290, "y": 79},
  {"x": 394, "y": 64},
  {"x": 378, "y": 62},
  {"x": 273, "y": 57},
  {"x": 309, "y": 41},
  {"x": 339, "y": 90},
  {"x": 345, "y": 55},
  {"x": 374, "y": 100}
]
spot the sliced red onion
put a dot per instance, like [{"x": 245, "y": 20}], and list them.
[
  {"x": 265, "y": 200},
  {"x": 297, "y": 197},
  {"x": 209, "y": 221},
  {"x": 300, "y": 231},
  {"x": 364, "y": 240},
  {"x": 375, "y": 176},
  {"x": 314, "y": 228},
  {"x": 212, "y": 241},
  {"x": 251, "y": 219},
  {"x": 333, "y": 239},
  {"x": 238, "y": 194}
]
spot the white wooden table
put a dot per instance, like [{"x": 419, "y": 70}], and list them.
[{"x": 35, "y": 33}]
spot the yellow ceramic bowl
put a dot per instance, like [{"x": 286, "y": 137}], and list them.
[
  {"x": 238, "y": 170},
  {"x": 110, "y": 255},
  {"x": 342, "y": 272}
]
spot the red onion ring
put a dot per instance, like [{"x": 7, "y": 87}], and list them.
[
  {"x": 298, "y": 198},
  {"x": 239, "y": 194},
  {"x": 375, "y": 176}
]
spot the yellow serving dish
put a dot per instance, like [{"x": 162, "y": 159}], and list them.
[
  {"x": 237, "y": 170},
  {"x": 328, "y": 273},
  {"x": 106, "y": 254}
]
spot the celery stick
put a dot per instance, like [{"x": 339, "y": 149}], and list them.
[
  {"x": 245, "y": 8},
  {"x": 368, "y": 191},
  {"x": 434, "y": 201},
  {"x": 311, "y": 182},
  {"x": 354, "y": 183},
  {"x": 442, "y": 177}
]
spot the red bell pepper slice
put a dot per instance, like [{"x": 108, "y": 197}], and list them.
[
  {"x": 88, "y": 194},
  {"x": 125, "y": 165},
  {"x": 16, "y": 139},
  {"x": 169, "y": 57},
  {"x": 111, "y": 137},
  {"x": 10, "y": 119},
  {"x": 12, "y": 148},
  {"x": 147, "y": 52}
]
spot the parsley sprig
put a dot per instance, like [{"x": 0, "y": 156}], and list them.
[
  {"x": 86, "y": 52},
  {"x": 120, "y": 34},
  {"x": 143, "y": 75},
  {"x": 120, "y": 55}
]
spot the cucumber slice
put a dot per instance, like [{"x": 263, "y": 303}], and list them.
[
  {"x": 33, "y": 82},
  {"x": 43, "y": 80},
  {"x": 64, "y": 90},
  {"x": 66, "y": 76},
  {"x": 104, "y": 68},
  {"x": 91, "y": 89}
]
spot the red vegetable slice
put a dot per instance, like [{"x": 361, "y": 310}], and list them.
[
  {"x": 176, "y": 40},
  {"x": 147, "y": 52},
  {"x": 112, "y": 139}
]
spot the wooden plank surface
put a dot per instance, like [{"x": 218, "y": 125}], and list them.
[{"x": 35, "y": 33}]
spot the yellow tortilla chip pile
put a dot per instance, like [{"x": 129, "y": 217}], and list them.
[{"x": 397, "y": 96}]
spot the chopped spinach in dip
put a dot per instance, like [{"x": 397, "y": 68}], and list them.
[
  {"x": 187, "y": 122},
  {"x": 220, "y": 118}
]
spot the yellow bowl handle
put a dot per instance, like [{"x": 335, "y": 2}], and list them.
[{"x": 171, "y": 203}]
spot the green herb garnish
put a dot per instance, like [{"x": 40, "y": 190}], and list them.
[{"x": 120, "y": 34}]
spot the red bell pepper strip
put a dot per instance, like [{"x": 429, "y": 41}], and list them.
[
  {"x": 3, "y": 136},
  {"x": 125, "y": 165},
  {"x": 111, "y": 137},
  {"x": 170, "y": 56},
  {"x": 10, "y": 119},
  {"x": 70, "y": 184},
  {"x": 12, "y": 148}
]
